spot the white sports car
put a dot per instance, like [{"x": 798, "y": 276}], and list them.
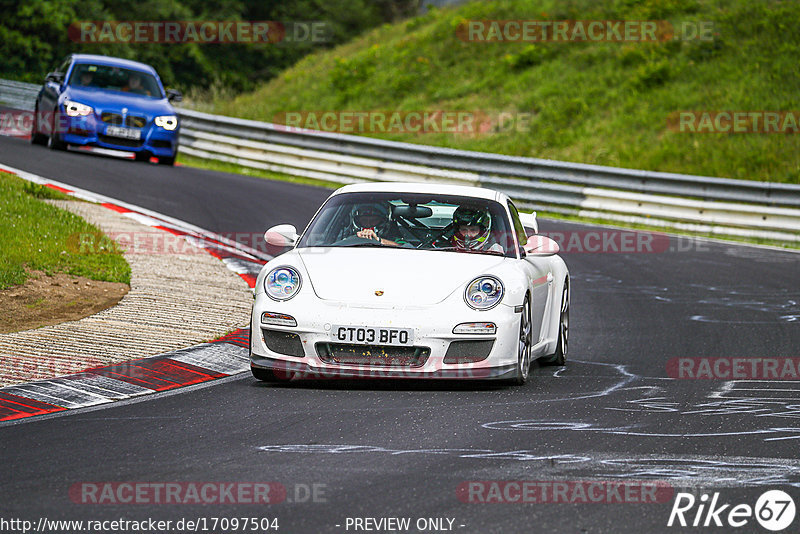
[{"x": 410, "y": 281}]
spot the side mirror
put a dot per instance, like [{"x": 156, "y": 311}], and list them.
[
  {"x": 528, "y": 220},
  {"x": 55, "y": 77},
  {"x": 283, "y": 235},
  {"x": 539, "y": 245},
  {"x": 173, "y": 95}
]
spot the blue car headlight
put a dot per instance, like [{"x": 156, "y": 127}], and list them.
[
  {"x": 168, "y": 122},
  {"x": 282, "y": 283},
  {"x": 484, "y": 293},
  {"x": 76, "y": 109}
]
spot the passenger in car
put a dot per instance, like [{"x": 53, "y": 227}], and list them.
[
  {"x": 87, "y": 78},
  {"x": 473, "y": 230}
]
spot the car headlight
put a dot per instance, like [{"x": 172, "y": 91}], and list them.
[
  {"x": 76, "y": 109},
  {"x": 282, "y": 283},
  {"x": 484, "y": 293},
  {"x": 168, "y": 122}
]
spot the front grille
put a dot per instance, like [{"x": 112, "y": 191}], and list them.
[
  {"x": 111, "y": 118},
  {"x": 373, "y": 355},
  {"x": 132, "y": 121},
  {"x": 467, "y": 351},
  {"x": 286, "y": 343},
  {"x": 135, "y": 122},
  {"x": 120, "y": 141}
]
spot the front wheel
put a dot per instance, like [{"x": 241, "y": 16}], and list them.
[
  {"x": 562, "y": 347},
  {"x": 54, "y": 142},
  {"x": 170, "y": 160},
  {"x": 524, "y": 345}
]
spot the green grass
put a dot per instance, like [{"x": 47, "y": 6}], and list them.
[
  {"x": 37, "y": 236},
  {"x": 599, "y": 103}
]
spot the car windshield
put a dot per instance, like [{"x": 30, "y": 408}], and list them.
[
  {"x": 412, "y": 220},
  {"x": 115, "y": 79}
]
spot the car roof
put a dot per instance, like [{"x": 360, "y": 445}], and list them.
[
  {"x": 112, "y": 61},
  {"x": 413, "y": 187}
]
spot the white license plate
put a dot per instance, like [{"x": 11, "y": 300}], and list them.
[
  {"x": 373, "y": 335},
  {"x": 125, "y": 133}
]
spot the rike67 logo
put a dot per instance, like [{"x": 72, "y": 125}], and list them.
[{"x": 774, "y": 510}]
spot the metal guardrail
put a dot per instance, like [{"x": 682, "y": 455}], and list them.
[
  {"x": 695, "y": 203},
  {"x": 18, "y": 95},
  {"x": 704, "y": 187}
]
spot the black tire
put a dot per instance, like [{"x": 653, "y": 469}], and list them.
[
  {"x": 559, "y": 357},
  {"x": 524, "y": 345},
  {"x": 141, "y": 156},
  {"x": 36, "y": 137},
  {"x": 54, "y": 142},
  {"x": 169, "y": 160}
]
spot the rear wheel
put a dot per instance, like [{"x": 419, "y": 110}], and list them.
[
  {"x": 562, "y": 347},
  {"x": 36, "y": 137},
  {"x": 524, "y": 345}
]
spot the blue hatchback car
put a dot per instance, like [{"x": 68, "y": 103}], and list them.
[{"x": 107, "y": 102}]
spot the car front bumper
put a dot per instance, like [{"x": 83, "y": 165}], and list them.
[
  {"x": 90, "y": 131},
  {"x": 307, "y": 350}
]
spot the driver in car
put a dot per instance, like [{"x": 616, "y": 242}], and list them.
[
  {"x": 473, "y": 230},
  {"x": 86, "y": 78},
  {"x": 372, "y": 221},
  {"x": 135, "y": 85}
]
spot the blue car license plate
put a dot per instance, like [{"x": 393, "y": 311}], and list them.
[{"x": 124, "y": 133}]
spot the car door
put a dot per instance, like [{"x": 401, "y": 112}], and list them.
[{"x": 539, "y": 274}]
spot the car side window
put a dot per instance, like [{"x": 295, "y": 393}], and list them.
[{"x": 518, "y": 227}]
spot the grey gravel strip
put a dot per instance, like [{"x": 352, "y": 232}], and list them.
[{"x": 175, "y": 301}]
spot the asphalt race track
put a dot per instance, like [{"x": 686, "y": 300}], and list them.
[{"x": 408, "y": 450}]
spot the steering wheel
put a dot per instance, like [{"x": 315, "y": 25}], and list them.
[{"x": 436, "y": 236}]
